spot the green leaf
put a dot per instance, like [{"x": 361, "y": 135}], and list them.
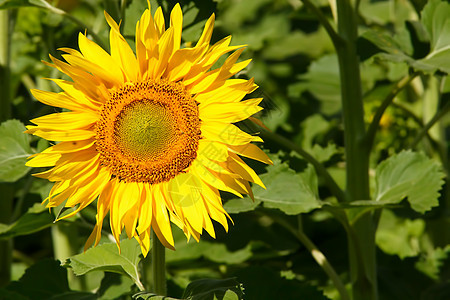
[
  {"x": 411, "y": 175},
  {"x": 399, "y": 236},
  {"x": 35, "y": 219},
  {"x": 291, "y": 192},
  {"x": 324, "y": 154},
  {"x": 106, "y": 257},
  {"x": 394, "y": 51},
  {"x": 238, "y": 205},
  {"x": 322, "y": 80},
  {"x": 43, "y": 280},
  {"x": 219, "y": 253},
  {"x": 215, "y": 252},
  {"x": 432, "y": 260},
  {"x": 210, "y": 289},
  {"x": 151, "y": 296},
  {"x": 437, "y": 23},
  {"x": 14, "y": 150},
  {"x": 434, "y": 19},
  {"x": 229, "y": 295},
  {"x": 113, "y": 286}
]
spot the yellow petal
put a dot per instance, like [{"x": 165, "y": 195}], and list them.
[
  {"x": 165, "y": 45},
  {"x": 251, "y": 151},
  {"x": 208, "y": 177},
  {"x": 43, "y": 160},
  {"x": 233, "y": 90},
  {"x": 121, "y": 51},
  {"x": 176, "y": 22},
  {"x": 103, "y": 75},
  {"x": 212, "y": 150},
  {"x": 227, "y": 134},
  {"x": 95, "y": 54},
  {"x": 145, "y": 210},
  {"x": 229, "y": 112},
  {"x": 207, "y": 32},
  {"x": 66, "y": 120},
  {"x": 54, "y": 135},
  {"x": 159, "y": 21}
]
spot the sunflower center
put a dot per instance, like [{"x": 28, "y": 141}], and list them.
[
  {"x": 144, "y": 130},
  {"x": 148, "y": 132}
]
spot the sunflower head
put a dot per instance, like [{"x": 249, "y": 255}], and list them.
[{"x": 149, "y": 133}]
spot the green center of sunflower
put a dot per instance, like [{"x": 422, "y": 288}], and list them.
[
  {"x": 148, "y": 132},
  {"x": 144, "y": 130}
]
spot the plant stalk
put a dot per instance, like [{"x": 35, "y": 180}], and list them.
[
  {"x": 363, "y": 274},
  {"x": 158, "y": 266},
  {"x": 6, "y": 189}
]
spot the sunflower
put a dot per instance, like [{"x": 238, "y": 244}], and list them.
[{"x": 150, "y": 134}]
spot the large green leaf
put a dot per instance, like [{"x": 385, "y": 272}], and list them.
[
  {"x": 409, "y": 175},
  {"x": 322, "y": 80},
  {"x": 291, "y": 192},
  {"x": 106, "y": 257},
  {"x": 215, "y": 252},
  {"x": 238, "y": 205},
  {"x": 435, "y": 21},
  {"x": 393, "y": 50},
  {"x": 35, "y": 219},
  {"x": 46, "y": 280},
  {"x": 14, "y": 150},
  {"x": 113, "y": 286},
  {"x": 435, "y": 18}
]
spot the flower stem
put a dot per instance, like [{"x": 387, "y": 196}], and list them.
[
  {"x": 158, "y": 266},
  {"x": 362, "y": 242},
  {"x": 6, "y": 189},
  {"x": 5, "y": 36}
]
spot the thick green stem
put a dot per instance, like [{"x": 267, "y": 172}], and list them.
[
  {"x": 158, "y": 266},
  {"x": 6, "y": 190},
  {"x": 5, "y": 106},
  {"x": 363, "y": 274}
]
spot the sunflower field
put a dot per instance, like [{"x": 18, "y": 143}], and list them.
[{"x": 225, "y": 149}]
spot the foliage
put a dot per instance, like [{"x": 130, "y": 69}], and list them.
[{"x": 279, "y": 241}]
